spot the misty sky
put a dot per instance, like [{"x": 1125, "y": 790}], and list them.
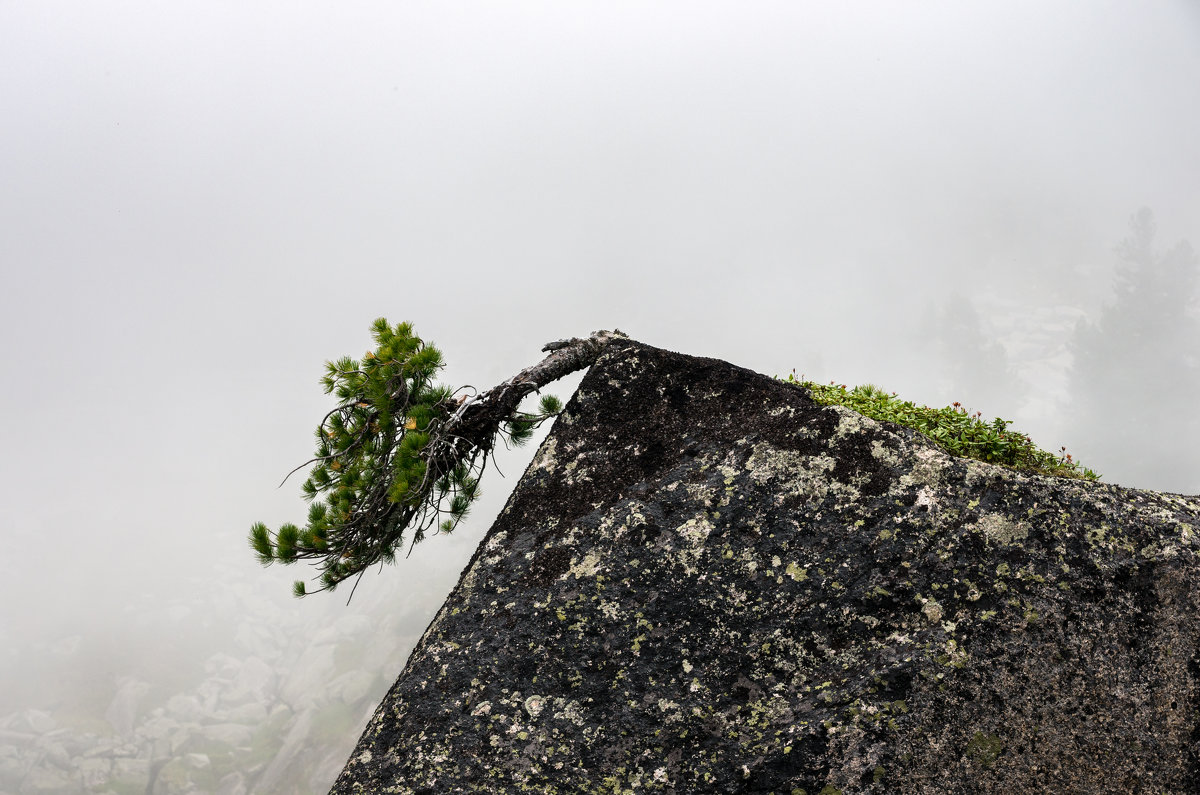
[{"x": 202, "y": 202}]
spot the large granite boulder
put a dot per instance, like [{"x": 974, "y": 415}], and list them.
[{"x": 706, "y": 582}]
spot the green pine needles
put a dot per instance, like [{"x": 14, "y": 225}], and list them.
[
  {"x": 394, "y": 455},
  {"x": 952, "y": 428}
]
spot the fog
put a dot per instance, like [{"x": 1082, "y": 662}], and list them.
[{"x": 200, "y": 203}]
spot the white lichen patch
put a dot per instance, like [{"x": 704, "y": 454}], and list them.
[
  {"x": 700, "y": 493},
  {"x": 927, "y": 469},
  {"x": 587, "y": 567},
  {"x": 634, "y": 518},
  {"x": 693, "y": 535},
  {"x": 468, "y": 583},
  {"x": 926, "y": 498},
  {"x": 793, "y": 473},
  {"x": 573, "y": 474},
  {"x": 610, "y": 609},
  {"x": 884, "y": 454},
  {"x": 544, "y": 460},
  {"x": 850, "y": 422},
  {"x": 534, "y": 705},
  {"x": 568, "y": 711},
  {"x": 729, "y": 475},
  {"x": 1001, "y": 529}
]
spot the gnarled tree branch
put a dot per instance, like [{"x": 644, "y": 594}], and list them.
[{"x": 381, "y": 482}]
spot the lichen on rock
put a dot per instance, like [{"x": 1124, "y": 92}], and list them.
[{"x": 707, "y": 582}]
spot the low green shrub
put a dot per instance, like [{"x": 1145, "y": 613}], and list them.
[{"x": 952, "y": 428}]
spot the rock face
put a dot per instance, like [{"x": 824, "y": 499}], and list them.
[{"x": 706, "y": 582}]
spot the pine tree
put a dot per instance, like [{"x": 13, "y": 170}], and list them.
[
  {"x": 975, "y": 365},
  {"x": 401, "y": 453},
  {"x": 1136, "y": 372}
]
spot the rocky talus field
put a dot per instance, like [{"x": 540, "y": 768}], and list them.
[{"x": 262, "y": 698}]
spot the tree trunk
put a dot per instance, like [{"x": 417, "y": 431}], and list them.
[{"x": 478, "y": 418}]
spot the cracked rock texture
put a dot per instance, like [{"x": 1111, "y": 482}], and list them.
[{"x": 706, "y": 582}]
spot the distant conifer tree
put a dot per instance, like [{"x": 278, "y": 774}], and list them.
[
  {"x": 975, "y": 365},
  {"x": 1136, "y": 372},
  {"x": 401, "y": 453}
]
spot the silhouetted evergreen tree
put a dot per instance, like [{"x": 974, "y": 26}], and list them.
[
  {"x": 976, "y": 366},
  {"x": 1136, "y": 373}
]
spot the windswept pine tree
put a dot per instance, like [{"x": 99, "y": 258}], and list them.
[{"x": 401, "y": 455}]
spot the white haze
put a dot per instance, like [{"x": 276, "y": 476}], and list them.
[{"x": 202, "y": 202}]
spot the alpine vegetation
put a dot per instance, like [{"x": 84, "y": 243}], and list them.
[
  {"x": 952, "y": 428},
  {"x": 402, "y": 453}
]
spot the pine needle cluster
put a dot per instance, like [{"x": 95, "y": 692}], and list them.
[{"x": 387, "y": 460}]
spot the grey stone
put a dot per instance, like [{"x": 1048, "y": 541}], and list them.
[
  {"x": 260, "y": 641},
  {"x": 305, "y": 685},
  {"x": 37, "y": 721},
  {"x": 222, "y": 666},
  {"x": 706, "y": 582},
  {"x": 157, "y": 727},
  {"x": 123, "y": 711},
  {"x": 53, "y": 751},
  {"x": 232, "y": 734},
  {"x": 293, "y": 745},
  {"x": 352, "y": 685},
  {"x": 254, "y": 681},
  {"x": 163, "y": 736},
  {"x": 198, "y": 761},
  {"x": 125, "y": 750},
  {"x": 12, "y": 767},
  {"x": 252, "y": 713},
  {"x": 184, "y": 706},
  {"x": 48, "y": 781},
  {"x": 130, "y": 773},
  {"x": 389, "y": 650},
  {"x": 174, "y": 777},
  {"x": 232, "y": 784},
  {"x": 354, "y": 626},
  {"x": 94, "y": 773}
]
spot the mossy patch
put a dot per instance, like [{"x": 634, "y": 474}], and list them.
[
  {"x": 984, "y": 749},
  {"x": 952, "y": 428}
]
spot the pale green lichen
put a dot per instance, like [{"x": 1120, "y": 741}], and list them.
[
  {"x": 885, "y": 453},
  {"x": 794, "y": 473},
  {"x": 1001, "y": 529},
  {"x": 694, "y": 533},
  {"x": 544, "y": 460},
  {"x": 797, "y": 573},
  {"x": 850, "y": 422}
]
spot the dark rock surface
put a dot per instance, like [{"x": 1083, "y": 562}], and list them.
[{"x": 705, "y": 582}]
